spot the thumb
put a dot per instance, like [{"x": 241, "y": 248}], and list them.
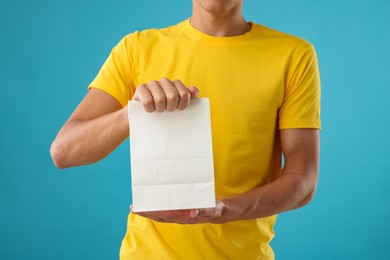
[
  {"x": 193, "y": 91},
  {"x": 194, "y": 213},
  {"x": 135, "y": 98},
  {"x": 206, "y": 212}
]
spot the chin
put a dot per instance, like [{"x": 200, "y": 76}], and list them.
[{"x": 219, "y": 6}]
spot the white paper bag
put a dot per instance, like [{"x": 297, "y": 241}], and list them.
[{"x": 171, "y": 158}]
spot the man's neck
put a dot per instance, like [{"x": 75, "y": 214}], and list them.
[{"x": 229, "y": 23}]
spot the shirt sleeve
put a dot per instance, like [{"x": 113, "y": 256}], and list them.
[
  {"x": 301, "y": 103},
  {"x": 117, "y": 73}
]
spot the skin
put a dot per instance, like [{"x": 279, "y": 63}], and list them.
[
  {"x": 93, "y": 131},
  {"x": 219, "y": 18}
]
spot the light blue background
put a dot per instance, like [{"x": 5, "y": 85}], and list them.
[{"x": 51, "y": 50}]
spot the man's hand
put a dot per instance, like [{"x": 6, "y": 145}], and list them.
[
  {"x": 293, "y": 189},
  {"x": 216, "y": 215},
  {"x": 164, "y": 95},
  {"x": 167, "y": 95}
]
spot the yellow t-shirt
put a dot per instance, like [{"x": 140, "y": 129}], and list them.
[{"x": 257, "y": 83}]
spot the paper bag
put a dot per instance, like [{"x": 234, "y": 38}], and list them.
[{"x": 171, "y": 158}]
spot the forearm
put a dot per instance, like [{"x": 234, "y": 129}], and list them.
[
  {"x": 288, "y": 192},
  {"x": 291, "y": 190},
  {"x": 87, "y": 141}
]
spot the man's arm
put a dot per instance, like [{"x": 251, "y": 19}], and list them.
[
  {"x": 99, "y": 124},
  {"x": 293, "y": 189}
]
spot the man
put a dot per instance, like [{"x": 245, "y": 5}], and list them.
[{"x": 264, "y": 94}]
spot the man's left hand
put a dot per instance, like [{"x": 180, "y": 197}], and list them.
[{"x": 215, "y": 215}]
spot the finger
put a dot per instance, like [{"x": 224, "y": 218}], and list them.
[
  {"x": 194, "y": 213},
  {"x": 159, "y": 98},
  {"x": 169, "y": 216},
  {"x": 143, "y": 95},
  {"x": 193, "y": 91},
  {"x": 135, "y": 96},
  {"x": 206, "y": 212},
  {"x": 168, "y": 213},
  {"x": 171, "y": 93},
  {"x": 184, "y": 94},
  {"x": 149, "y": 216}
]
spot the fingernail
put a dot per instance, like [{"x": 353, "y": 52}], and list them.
[{"x": 195, "y": 213}]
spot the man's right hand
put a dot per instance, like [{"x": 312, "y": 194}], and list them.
[
  {"x": 165, "y": 95},
  {"x": 99, "y": 125}
]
